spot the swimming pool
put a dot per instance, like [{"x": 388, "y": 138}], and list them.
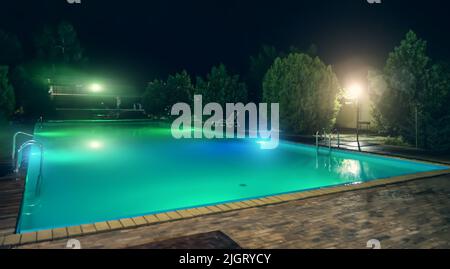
[{"x": 99, "y": 170}]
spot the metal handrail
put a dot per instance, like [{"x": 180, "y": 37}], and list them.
[
  {"x": 19, "y": 162},
  {"x": 329, "y": 141},
  {"x": 13, "y": 154},
  {"x": 330, "y": 138},
  {"x": 317, "y": 140}
]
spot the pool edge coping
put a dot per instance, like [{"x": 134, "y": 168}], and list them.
[{"x": 14, "y": 240}]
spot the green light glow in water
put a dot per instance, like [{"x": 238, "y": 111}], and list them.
[{"x": 98, "y": 170}]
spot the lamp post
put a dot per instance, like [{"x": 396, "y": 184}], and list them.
[
  {"x": 353, "y": 94},
  {"x": 357, "y": 123}
]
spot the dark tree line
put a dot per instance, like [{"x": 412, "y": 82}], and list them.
[
  {"x": 308, "y": 90},
  {"x": 24, "y": 80},
  {"x": 219, "y": 86},
  {"x": 413, "y": 91}
]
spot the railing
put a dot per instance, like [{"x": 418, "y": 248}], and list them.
[
  {"x": 330, "y": 139},
  {"x": 317, "y": 140},
  {"x": 19, "y": 160},
  {"x": 13, "y": 154}
]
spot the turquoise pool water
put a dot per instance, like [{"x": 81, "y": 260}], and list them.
[{"x": 97, "y": 171}]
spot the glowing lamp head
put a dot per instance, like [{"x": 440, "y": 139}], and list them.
[
  {"x": 95, "y": 87},
  {"x": 354, "y": 92}
]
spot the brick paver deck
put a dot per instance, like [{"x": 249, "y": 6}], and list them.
[
  {"x": 10, "y": 198},
  {"x": 407, "y": 215},
  {"x": 210, "y": 240}
]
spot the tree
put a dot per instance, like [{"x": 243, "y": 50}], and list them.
[
  {"x": 10, "y": 49},
  {"x": 154, "y": 98},
  {"x": 312, "y": 50},
  {"x": 31, "y": 92},
  {"x": 45, "y": 45},
  {"x": 259, "y": 65},
  {"x": 59, "y": 45},
  {"x": 179, "y": 89},
  {"x": 306, "y": 89},
  {"x": 406, "y": 67},
  {"x": 68, "y": 43},
  {"x": 7, "y": 98},
  {"x": 160, "y": 95},
  {"x": 435, "y": 110},
  {"x": 221, "y": 87},
  {"x": 377, "y": 90},
  {"x": 19, "y": 80},
  {"x": 405, "y": 74},
  {"x": 417, "y": 91}
]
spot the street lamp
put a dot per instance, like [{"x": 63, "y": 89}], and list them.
[
  {"x": 95, "y": 87},
  {"x": 353, "y": 94}
]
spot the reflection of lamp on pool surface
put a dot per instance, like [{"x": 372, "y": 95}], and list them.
[
  {"x": 95, "y": 144},
  {"x": 350, "y": 167}
]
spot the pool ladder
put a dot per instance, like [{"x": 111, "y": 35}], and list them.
[
  {"x": 14, "y": 144},
  {"x": 328, "y": 136},
  {"x": 17, "y": 158}
]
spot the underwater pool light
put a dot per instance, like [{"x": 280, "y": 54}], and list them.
[{"x": 95, "y": 144}]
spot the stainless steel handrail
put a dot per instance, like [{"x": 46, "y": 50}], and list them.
[
  {"x": 330, "y": 139},
  {"x": 19, "y": 161},
  {"x": 13, "y": 154},
  {"x": 317, "y": 140}
]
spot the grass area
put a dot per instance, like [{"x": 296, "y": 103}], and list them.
[{"x": 396, "y": 141}]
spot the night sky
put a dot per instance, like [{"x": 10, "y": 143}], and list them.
[{"x": 142, "y": 40}]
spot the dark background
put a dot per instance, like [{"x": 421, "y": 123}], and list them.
[{"x": 141, "y": 40}]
